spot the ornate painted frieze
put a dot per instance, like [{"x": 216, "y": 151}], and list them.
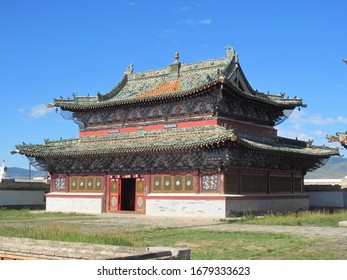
[
  {"x": 124, "y": 116},
  {"x": 232, "y": 107},
  {"x": 218, "y": 159}
]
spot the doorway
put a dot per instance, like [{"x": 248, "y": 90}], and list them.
[{"x": 128, "y": 194}]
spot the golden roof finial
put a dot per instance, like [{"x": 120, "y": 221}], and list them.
[{"x": 177, "y": 56}]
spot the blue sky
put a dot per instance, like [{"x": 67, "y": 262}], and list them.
[{"x": 54, "y": 48}]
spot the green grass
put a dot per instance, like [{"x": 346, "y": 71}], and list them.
[
  {"x": 214, "y": 245},
  {"x": 205, "y": 245},
  {"x": 209, "y": 245},
  {"x": 69, "y": 233},
  {"x": 11, "y": 215},
  {"x": 323, "y": 218}
]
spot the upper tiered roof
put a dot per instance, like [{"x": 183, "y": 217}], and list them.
[{"x": 177, "y": 81}]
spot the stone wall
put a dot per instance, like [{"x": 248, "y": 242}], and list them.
[
  {"x": 327, "y": 193},
  {"x": 328, "y": 199},
  {"x": 12, "y": 248},
  {"x": 23, "y": 194},
  {"x": 238, "y": 205}
]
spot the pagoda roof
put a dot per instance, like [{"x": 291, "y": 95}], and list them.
[
  {"x": 177, "y": 81},
  {"x": 175, "y": 140}
]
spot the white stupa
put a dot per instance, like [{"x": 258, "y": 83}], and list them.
[{"x": 3, "y": 169}]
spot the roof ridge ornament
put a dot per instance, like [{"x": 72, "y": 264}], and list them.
[
  {"x": 173, "y": 70},
  {"x": 229, "y": 50},
  {"x": 130, "y": 69},
  {"x": 177, "y": 56}
]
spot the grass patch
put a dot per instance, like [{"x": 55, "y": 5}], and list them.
[
  {"x": 11, "y": 215},
  {"x": 68, "y": 233},
  {"x": 323, "y": 218},
  {"x": 214, "y": 245},
  {"x": 205, "y": 244}
]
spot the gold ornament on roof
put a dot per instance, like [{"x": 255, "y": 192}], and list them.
[{"x": 177, "y": 56}]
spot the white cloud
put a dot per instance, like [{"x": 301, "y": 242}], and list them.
[
  {"x": 341, "y": 119},
  {"x": 304, "y": 126},
  {"x": 293, "y": 133},
  {"x": 319, "y": 120},
  {"x": 206, "y": 21},
  {"x": 192, "y": 22},
  {"x": 319, "y": 133},
  {"x": 298, "y": 118},
  {"x": 39, "y": 111}
]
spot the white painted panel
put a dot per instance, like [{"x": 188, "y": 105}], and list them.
[
  {"x": 78, "y": 205},
  {"x": 185, "y": 208}
]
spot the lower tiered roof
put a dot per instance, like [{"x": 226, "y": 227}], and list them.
[{"x": 170, "y": 140}]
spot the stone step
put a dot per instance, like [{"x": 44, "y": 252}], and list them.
[{"x": 26, "y": 248}]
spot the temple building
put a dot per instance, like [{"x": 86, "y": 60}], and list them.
[{"x": 185, "y": 140}]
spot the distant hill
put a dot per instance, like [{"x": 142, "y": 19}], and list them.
[
  {"x": 335, "y": 168},
  {"x": 22, "y": 173}
]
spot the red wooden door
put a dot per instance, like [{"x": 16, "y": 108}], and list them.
[
  {"x": 140, "y": 195},
  {"x": 114, "y": 195}
]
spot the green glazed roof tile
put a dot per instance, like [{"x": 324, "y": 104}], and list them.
[
  {"x": 190, "y": 79},
  {"x": 166, "y": 141}
]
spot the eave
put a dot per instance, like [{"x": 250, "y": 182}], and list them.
[
  {"x": 75, "y": 105},
  {"x": 186, "y": 141},
  {"x": 140, "y": 145}
]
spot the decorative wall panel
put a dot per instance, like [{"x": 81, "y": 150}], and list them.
[
  {"x": 177, "y": 183},
  {"x": 86, "y": 184},
  {"x": 210, "y": 183},
  {"x": 59, "y": 184}
]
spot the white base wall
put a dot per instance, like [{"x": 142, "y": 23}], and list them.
[
  {"x": 185, "y": 208},
  {"x": 266, "y": 205},
  {"x": 222, "y": 206},
  {"x": 74, "y": 204},
  {"x": 13, "y": 197}
]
